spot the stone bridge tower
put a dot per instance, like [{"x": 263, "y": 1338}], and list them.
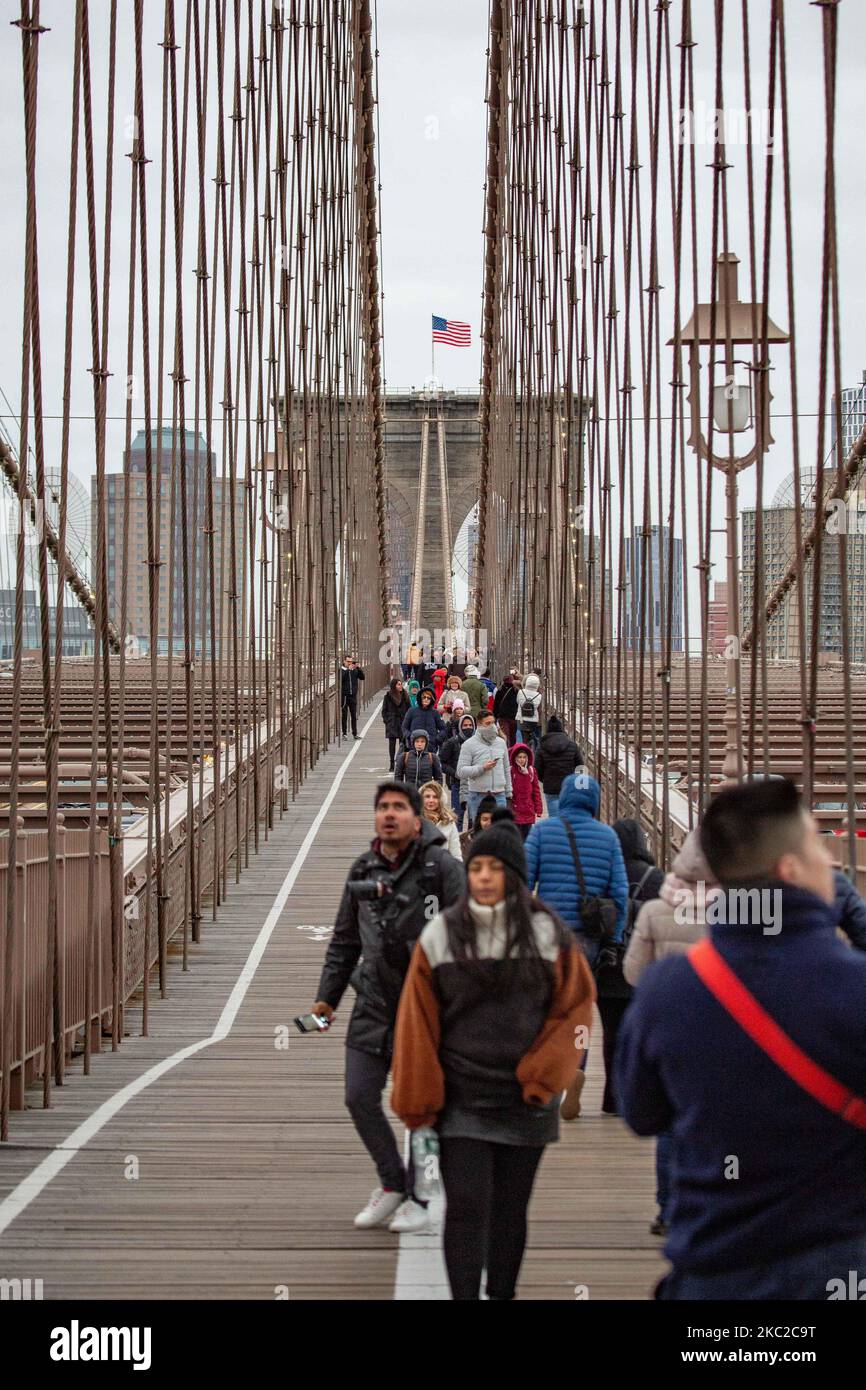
[{"x": 404, "y": 416}]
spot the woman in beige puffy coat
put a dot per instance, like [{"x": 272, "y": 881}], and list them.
[
  {"x": 453, "y": 691},
  {"x": 674, "y": 921},
  {"x": 667, "y": 926}
]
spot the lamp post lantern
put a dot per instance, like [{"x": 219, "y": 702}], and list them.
[{"x": 737, "y": 407}]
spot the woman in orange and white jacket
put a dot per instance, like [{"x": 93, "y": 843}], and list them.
[{"x": 493, "y": 1021}]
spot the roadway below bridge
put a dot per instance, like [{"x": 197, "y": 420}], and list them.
[{"x": 210, "y": 1161}]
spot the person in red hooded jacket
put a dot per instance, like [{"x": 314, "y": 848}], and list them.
[
  {"x": 440, "y": 676},
  {"x": 525, "y": 788}
]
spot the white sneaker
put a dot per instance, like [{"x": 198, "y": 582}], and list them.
[
  {"x": 380, "y": 1207},
  {"x": 411, "y": 1216}
]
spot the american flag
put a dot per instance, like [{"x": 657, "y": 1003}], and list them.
[{"x": 451, "y": 332}]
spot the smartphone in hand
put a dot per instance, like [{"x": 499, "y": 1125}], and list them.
[{"x": 312, "y": 1023}]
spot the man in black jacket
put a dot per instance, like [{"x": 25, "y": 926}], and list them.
[
  {"x": 350, "y": 675},
  {"x": 505, "y": 706},
  {"x": 392, "y": 891},
  {"x": 557, "y": 757}
]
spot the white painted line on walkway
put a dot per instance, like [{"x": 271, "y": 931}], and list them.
[
  {"x": 29, "y": 1188},
  {"x": 420, "y": 1273},
  {"x": 420, "y": 1267}
]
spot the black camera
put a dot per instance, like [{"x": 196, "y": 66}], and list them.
[
  {"x": 369, "y": 889},
  {"x": 396, "y": 947}
]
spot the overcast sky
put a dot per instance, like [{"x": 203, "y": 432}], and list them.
[
  {"x": 432, "y": 159},
  {"x": 432, "y": 79}
]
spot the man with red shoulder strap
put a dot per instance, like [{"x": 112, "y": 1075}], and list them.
[{"x": 751, "y": 1049}]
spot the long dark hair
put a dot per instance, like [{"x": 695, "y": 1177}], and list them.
[{"x": 525, "y": 962}]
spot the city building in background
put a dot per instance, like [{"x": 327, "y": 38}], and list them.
[
  {"x": 170, "y": 630},
  {"x": 717, "y": 620},
  {"x": 651, "y": 589},
  {"x": 779, "y": 544},
  {"x": 601, "y": 622},
  {"x": 853, "y": 417},
  {"x": 77, "y": 627}
]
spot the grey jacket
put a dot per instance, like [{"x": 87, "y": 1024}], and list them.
[{"x": 472, "y": 772}]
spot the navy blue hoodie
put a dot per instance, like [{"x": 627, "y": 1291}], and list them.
[
  {"x": 420, "y": 718},
  {"x": 683, "y": 1063}
]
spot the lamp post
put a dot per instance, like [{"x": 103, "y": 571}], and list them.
[{"x": 734, "y": 412}]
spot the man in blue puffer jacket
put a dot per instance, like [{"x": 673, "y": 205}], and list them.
[
  {"x": 552, "y": 872},
  {"x": 553, "y": 875}
]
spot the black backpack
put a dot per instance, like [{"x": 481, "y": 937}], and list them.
[
  {"x": 634, "y": 905},
  {"x": 597, "y": 914},
  {"x": 610, "y": 981},
  {"x": 527, "y": 709}
]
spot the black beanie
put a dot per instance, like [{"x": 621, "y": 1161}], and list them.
[
  {"x": 503, "y": 841},
  {"x": 554, "y": 725}
]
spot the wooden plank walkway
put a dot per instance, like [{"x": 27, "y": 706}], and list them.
[{"x": 237, "y": 1173}]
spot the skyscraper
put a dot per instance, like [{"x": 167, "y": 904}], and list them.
[
  {"x": 652, "y": 590},
  {"x": 170, "y": 623},
  {"x": 779, "y": 546},
  {"x": 853, "y": 417}
]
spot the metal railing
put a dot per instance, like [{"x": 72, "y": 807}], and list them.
[
  {"x": 84, "y": 945},
  {"x": 84, "y": 941}
]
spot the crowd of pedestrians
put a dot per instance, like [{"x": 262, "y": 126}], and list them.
[{"x": 495, "y": 908}]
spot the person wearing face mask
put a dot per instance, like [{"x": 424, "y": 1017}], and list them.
[
  {"x": 495, "y": 1004},
  {"x": 483, "y": 762},
  {"x": 449, "y": 756}
]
